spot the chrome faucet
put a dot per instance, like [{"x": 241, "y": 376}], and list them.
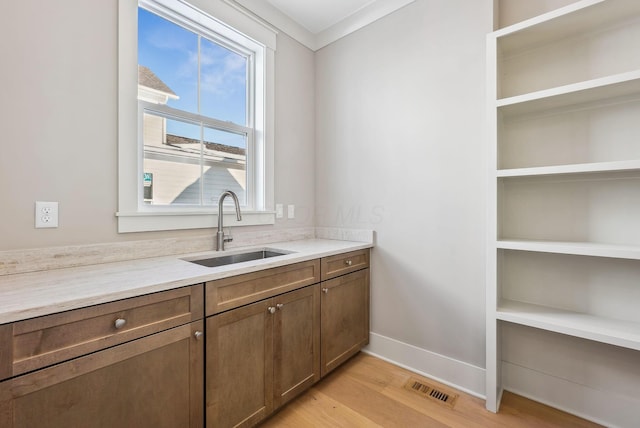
[{"x": 222, "y": 238}]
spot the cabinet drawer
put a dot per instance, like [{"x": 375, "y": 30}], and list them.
[
  {"x": 229, "y": 293},
  {"x": 47, "y": 340},
  {"x": 341, "y": 264}
]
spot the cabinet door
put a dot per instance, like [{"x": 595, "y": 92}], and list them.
[
  {"x": 151, "y": 382},
  {"x": 296, "y": 343},
  {"x": 239, "y": 366},
  {"x": 345, "y": 318}
]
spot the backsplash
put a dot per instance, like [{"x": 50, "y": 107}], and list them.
[
  {"x": 356, "y": 235},
  {"x": 39, "y": 259}
]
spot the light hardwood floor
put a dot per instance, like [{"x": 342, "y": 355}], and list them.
[{"x": 369, "y": 392}]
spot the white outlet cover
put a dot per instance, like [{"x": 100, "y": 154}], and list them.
[
  {"x": 279, "y": 211},
  {"x": 291, "y": 211},
  {"x": 46, "y": 214}
]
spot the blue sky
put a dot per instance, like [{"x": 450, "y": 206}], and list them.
[{"x": 171, "y": 52}]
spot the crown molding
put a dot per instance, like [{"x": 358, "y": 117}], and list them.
[{"x": 315, "y": 41}]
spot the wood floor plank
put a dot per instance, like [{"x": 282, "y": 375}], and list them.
[
  {"x": 315, "y": 409},
  {"x": 375, "y": 376},
  {"x": 369, "y": 392},
  {"x": 469, "y": 411},
  {"x": 440, "y": 412},
  {"x": 527, "y": 413},
  {"x": 389, "y": 413}
]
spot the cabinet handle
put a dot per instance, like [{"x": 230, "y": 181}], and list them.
[
  {"x": 279, "y": 306},
  {"x": 271, "y": 309},
  {"x": 325, "y": 290},
  {"x": 198, "y": 334},
  {"x": 348, "y": 262},
  {"x": 120, "y": 322}
]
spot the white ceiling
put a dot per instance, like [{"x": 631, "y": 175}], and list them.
[
  {"x": 316, "y": 23},
  {"x": 318, "y": 15}
]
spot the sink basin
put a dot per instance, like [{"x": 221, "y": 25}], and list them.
[{"x": 236, "y": 258}]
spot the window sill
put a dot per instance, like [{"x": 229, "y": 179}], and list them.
[{"x": 149, "y": 222}]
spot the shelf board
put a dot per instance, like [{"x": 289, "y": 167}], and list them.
[
  {"x": 575, "y": 94},
  {"x": 573, "y": 248},
  {"x": 569, "y": 21},
  {"x": 605, "y": 330},
  {"x": 614, "y": 166}
]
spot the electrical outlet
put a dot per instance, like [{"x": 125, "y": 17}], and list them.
[
  {"x": 291, "y": 211},
  {"x": 46, "y": 214},
  {"x": 279, "y": 211}
]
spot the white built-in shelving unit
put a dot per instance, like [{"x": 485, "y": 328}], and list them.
[{"x": 564, "y": 195}]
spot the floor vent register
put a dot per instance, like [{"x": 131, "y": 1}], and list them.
[{"x": 431, "y": 392}]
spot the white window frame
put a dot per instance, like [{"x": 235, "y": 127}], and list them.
[{"x": 242, "y": 29}]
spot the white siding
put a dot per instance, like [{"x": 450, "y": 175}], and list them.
[{"x": 179, "y": 183}]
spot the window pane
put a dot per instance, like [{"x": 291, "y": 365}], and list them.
[
  {"x": 225, "y": 156},
  {"x": 171, "y": 164},
  {"x": 223, "y": 83},
  {"x": 168, "y": 62},
  {"x": 168, "y": 59},
  {"x": 188, "y": 159}
]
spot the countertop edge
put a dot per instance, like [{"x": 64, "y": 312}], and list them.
[{"x": 31, "y": 295}]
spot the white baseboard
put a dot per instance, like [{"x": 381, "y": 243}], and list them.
[
  {"x": 604, "y": 408},
  {"x": 454, "y": 373},
  {"x": 598, "y": 406}
]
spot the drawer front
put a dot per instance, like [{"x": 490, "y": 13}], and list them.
[
  {"x": 229, "y": 293},
  {"x": 47, "y": 340},
  {"x": 341, "y": 264}
]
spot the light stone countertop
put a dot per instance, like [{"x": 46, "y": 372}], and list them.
[{"x": 35, "y": 294}]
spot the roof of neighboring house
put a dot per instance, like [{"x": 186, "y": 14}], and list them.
[
  {"x": 177, "y": 141},
  {"x": 148, "y": 78}
]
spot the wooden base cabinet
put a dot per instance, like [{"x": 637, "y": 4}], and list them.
[
  {"x": 155, "y": 381},
  {"x": 345, "y": 318},
  {"x": 260, "y": 356},
  {"x": 144, "y": 362}
]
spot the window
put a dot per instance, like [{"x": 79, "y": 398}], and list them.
[{"x": 201, "y": 122}]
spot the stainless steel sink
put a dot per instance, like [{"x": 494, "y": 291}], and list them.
[{"x": 236, "y": 258}]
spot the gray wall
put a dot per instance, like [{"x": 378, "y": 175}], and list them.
[
  {"x": 397, "y": 130},
  {"x": 400, "y": 148},
  {"x": 58, "y": 111}
]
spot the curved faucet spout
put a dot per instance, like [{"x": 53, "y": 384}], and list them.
[{"x": 220, "y": 234}]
